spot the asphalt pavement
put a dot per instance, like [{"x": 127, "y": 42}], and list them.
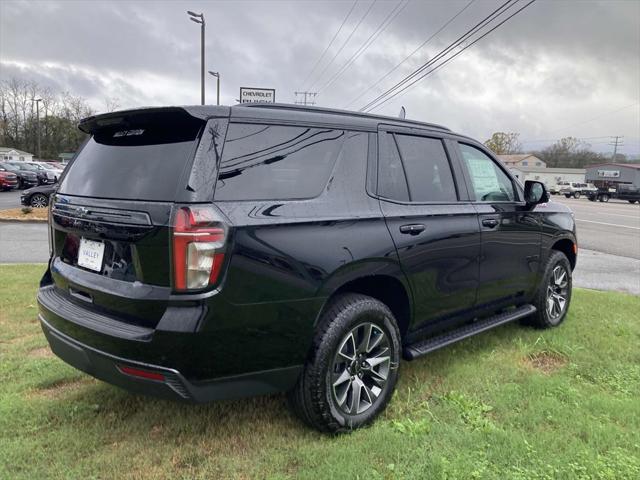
[
  {"x": 612, "y": 227},
  {"x": 10, "y": 199},
  {"x": 608, "y": 239},
  {"x": 23, "y": 242}
]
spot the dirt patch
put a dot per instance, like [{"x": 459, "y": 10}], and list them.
[
  {"x": 16, "y": 214},
  {"x": 41, "y": 352},
  {"x": 60, "y": 389},
  {"x": 546, "y": 362}
]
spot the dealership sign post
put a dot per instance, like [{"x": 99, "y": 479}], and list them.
[{"x": 257, "y": 95}]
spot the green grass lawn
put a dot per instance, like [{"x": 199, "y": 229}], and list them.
[{"x": 512, "y": 403}]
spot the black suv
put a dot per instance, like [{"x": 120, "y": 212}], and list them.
[{"x": 201, "y": 253}]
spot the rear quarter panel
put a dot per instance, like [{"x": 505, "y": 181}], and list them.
[{"x": 287, "y": 258}]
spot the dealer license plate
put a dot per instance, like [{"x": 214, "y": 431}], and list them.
[{"x": 90, "y": 254}]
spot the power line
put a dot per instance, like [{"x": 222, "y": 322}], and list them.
[
  {"x": 498, "y": 11},
  {"x": 597, "y": 117},
  {"x": 453, "y": 56},
  {"x": 344, "y": 44},
  {"x": 542, "y": 140},
  {"x": 330, "y": 43},
  {"x": 410, "y": 55},
  {"x": 391, "y": 16}
]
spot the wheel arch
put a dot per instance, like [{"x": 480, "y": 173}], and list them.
[
  {"x": 569, "y": 247},
  {"x": 386, "y": 288}
]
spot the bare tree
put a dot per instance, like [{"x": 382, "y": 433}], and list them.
[
  {"x": 111, "y": 104},
  {"x": 502, "y": 143},
  {"x": 58, "y": 128}
]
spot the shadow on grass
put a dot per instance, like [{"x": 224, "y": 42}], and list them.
[
  {"x": 229, "y": 424},
  {"x": 245, "y": 422}
]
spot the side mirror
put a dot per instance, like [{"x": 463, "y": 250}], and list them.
[{"x": 535, "y": 193}]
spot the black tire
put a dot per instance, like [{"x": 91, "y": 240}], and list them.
[
  {"x": 543, "y": 318},
  {"x": 592, "y": 198},
  {"x": 576, "y": 195},
  {"x": 604, "y": 198},
  {"x": 567, "y": 195},
  {"x": 631, "y": 201},
  {"x": 39, "y": 200},
  {"x": 314, "y": 398}
]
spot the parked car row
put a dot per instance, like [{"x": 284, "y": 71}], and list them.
[
  {"x": 38, "y": 180},
  {"x": 29, "y": 174}
]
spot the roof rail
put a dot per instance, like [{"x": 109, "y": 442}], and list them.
[{"x": 335, "y": 111}]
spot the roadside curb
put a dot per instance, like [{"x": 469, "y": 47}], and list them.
[{"x": 15, "y": 220}]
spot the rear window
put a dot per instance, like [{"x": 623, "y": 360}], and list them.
[
  {"x": 268, "y": 162},
  {"x": 142, "y": 161}
]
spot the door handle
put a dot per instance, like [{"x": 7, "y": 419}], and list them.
[
  {"x": 490, "y": 222},
  {"x": 412, "y": 229}
]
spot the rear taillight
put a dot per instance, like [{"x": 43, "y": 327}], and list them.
[{"x": 199, "y": 236}]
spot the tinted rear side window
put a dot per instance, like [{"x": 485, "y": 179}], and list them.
[
  {"x": 392, "y": 181},
  {"x": 428, "y": 170},
  {"x": 268, "y": 162},
  {"x": 137, "y": 162}
]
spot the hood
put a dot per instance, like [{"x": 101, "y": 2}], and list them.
[{"x": 552, "y": 207}]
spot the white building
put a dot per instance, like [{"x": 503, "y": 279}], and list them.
[
  {"x": 14, "y": 155},
  {"x": 548, "y": 176},
  {"x": 522, "y": 160}
]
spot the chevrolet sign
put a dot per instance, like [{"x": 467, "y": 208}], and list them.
[{"x": 257, "y": 95}]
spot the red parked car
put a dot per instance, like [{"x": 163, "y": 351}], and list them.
[{"x": 8, "y": 180}]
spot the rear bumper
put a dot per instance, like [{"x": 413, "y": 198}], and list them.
[
  {"x": 173, "y": 386},
  {"x": 108, "y": 348}
]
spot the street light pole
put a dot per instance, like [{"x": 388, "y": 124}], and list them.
[
  {"x": 217, "y": 75},
  {"x": 38, "y": 100},
  {"x": 194, "y": 18}
]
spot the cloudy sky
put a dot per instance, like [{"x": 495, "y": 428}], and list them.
[{"x": 558, "y": 68}]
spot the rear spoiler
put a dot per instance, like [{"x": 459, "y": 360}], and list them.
[{"x": 126, "y": 118}]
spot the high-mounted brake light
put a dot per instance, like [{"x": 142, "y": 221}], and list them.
[{"x": 198, "y": 241}]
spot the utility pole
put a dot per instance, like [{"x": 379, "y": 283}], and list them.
[
  {"x": 38, "y": 100},
  {"x": 616, "y": 141},
  {"x": 194, "y": 18},
  {"x": 217, "y": 75},
  {"x": 310, "y": 95}
]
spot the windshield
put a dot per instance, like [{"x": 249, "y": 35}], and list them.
[
  {"x": 25, "y": 166},
  {"x": 142, "y": 162},
  {"x": 46, "y": 167},
  {"x": 10, "y": 167}
]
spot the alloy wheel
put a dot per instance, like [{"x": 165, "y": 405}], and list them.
[
  {"x": 557, "y": 292},
  {"x": 39, "y": 201},
  {"x": 361, "y": 368}
]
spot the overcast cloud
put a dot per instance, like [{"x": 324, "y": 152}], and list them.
[{"x": 559, "y": 68}]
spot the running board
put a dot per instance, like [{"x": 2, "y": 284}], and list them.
[{"x": 429, "y": 345}]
